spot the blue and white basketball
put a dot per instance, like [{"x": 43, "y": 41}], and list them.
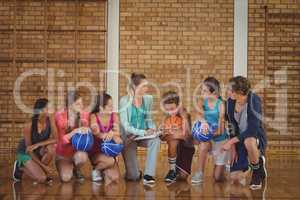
[
  {"x": 199, "y": 134},
  {"x": 83, "y": 141},
  {"x": 110, "y": 148}
]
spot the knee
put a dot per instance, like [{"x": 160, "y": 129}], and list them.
[
  {"x": 50, "y": 149},
  {"x": 41, "y": 178},
  {"x": 234, "y": 177},
  {"x": 80, "y": 157},
  {"x": 114, "y": 178},
  {"x": 66, "y": 177},
  {"x": 250, "y": 143},
  {"x": 107, "y": 161},
  {"x": 110, "y": 162}
]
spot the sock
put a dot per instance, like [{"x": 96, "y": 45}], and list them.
[{"x": 172, "y": 163}]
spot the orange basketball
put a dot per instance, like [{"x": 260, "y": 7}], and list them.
[{"x": 173, "y": 122}]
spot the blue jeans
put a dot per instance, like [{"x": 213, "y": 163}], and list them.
[{"x": 130, "y": 158}]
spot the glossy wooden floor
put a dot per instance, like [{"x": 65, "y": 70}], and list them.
[{"x": 283, "y": 183}]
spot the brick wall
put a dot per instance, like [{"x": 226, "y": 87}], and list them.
[
  {"x": 172, "y": 40},
  {"x": 167, "y": 40},
  {"x": 274, "y": 56},
  {"x": 65, "y": 36}
]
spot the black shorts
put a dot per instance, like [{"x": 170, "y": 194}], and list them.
[{"x": 185, "y": 153}]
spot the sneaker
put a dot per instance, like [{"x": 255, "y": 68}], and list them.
[
  {"x": 148, "y": 180},
  {"x": 96, "y": 176},
  {"x": 262, "y": 164},
  {"x": 256, "y": 181},
  {"x": 17, "y": 172},
  {"x": 49, "y": 180},
  {"x": 79, "y": 176},
  {"x": 171, "y": 176},
  {"x": 197, "y": 178}
]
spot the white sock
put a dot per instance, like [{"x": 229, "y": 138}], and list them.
[{"x": 172, "y": 163}]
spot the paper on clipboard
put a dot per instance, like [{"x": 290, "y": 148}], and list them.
[{"x": 147, "y": 137}]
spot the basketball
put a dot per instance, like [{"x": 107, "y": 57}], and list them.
[
  {"x": 198, "y": 132},
  {"x": 110, "y": 148},
  {"x": 173, "y": 122},
  {"x": 83, "y": 141}
]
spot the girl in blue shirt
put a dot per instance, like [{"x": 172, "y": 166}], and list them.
[{"x": 212, "y": 112}]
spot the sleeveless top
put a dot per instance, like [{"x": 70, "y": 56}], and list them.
[
  {"x": 212, "y": 117},
  {"x": 109, "y": 127},
  {"x": 35, "y": 138}
]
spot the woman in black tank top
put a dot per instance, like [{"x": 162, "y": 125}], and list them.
[{"x": 36, "y": 150}]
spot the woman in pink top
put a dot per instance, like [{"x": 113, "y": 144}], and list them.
[
  {"x": 105, "y": 125},
  {"x": 67, "y": 120}
]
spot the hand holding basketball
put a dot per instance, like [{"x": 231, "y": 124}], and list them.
[
  {"x": 172, "y": 123},
  {"x": 205, "y": 127},
  {"x": 108, "y": 136},
  {"x": 84, "y": 130}
]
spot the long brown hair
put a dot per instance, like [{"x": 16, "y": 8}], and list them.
[
  {"x": 72, "y": 97},
  {"x": 39, "y": 105},
  {"x": 100, "y": 100}
]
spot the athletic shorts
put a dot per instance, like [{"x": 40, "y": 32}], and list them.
[
  {"x": 220, "y": 157},
  {"x": 184, "y": 158},
  {"x": 22, "y": 158}
]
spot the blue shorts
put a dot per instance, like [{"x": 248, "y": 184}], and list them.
[{"x": 242, "y": 163}]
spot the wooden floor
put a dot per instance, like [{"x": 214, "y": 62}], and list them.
[{"x": 283, "y": 183}]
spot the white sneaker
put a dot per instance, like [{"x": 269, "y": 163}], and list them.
[
  {"x": 96, "y": 176},
  {"x": 197, "y": 178}
]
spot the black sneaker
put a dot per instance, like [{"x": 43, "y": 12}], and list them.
[
  {"x": 148, "y": 180},
  {"x": 49, "y": 180},
  {"x": 263, "y": 169},
  {"x": 171, "y": 176},
  {"x": 77, "y": 173},
  {"x": 256, "y": 180},
  {"x": 17, "y": 172}
]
